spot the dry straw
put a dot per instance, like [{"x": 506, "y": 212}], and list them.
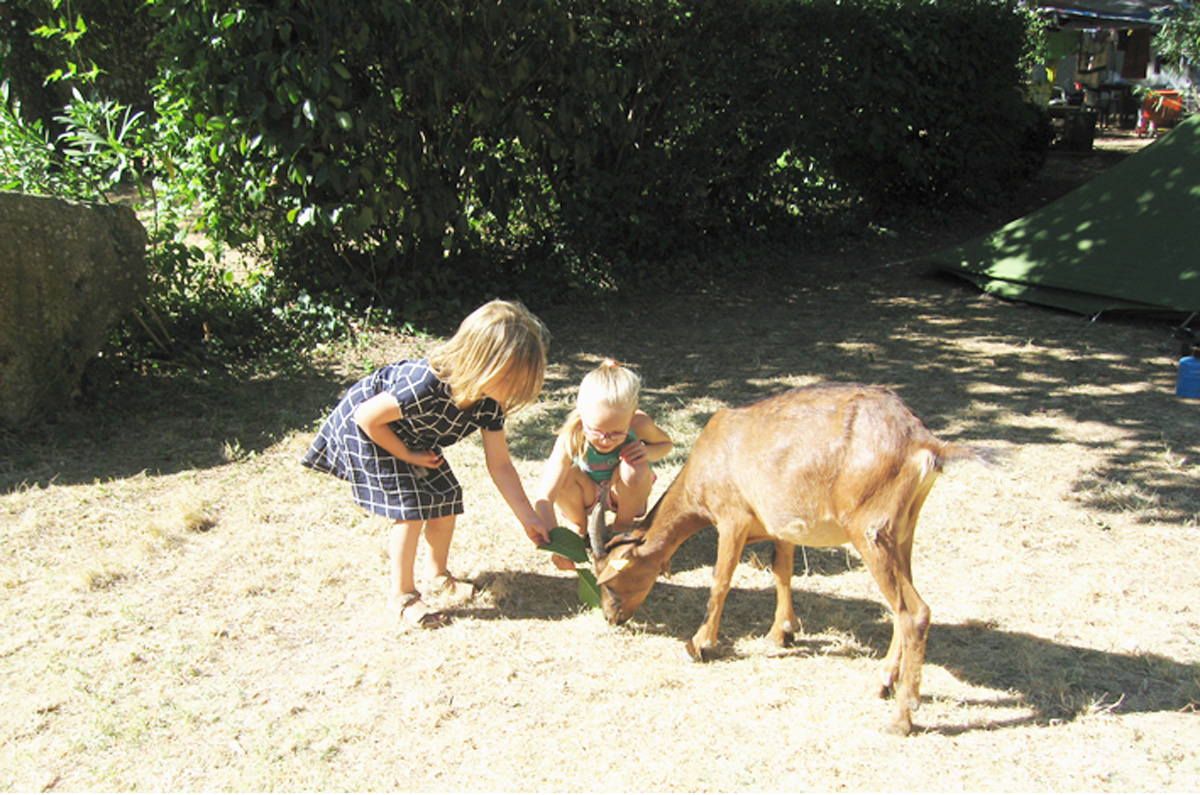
[{"x": 183, "y": 612}]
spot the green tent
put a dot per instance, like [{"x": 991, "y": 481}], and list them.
[{"x": 1127, "y": 240}]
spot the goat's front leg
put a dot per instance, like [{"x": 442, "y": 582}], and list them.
[
  {"x": 729, "y": 550},
  {"x": 785, "y": 626}
]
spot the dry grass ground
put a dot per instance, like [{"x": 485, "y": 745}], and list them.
[{"x": 185, "y": 608}]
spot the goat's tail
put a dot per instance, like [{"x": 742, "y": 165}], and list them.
[{"x": 952, "y": 452}]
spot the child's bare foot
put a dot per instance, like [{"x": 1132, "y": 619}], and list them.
[
  {"x": 415, "y": 613},
  {"x": 566, "y": 564}
]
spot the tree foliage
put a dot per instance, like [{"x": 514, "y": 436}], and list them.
[
  {"x": 1179, "y": 37},
  {"x": 415, "y": 153}
]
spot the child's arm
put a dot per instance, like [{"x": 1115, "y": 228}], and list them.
[
  {"x": 558, "y": 466},
  {"x": 373, "y": 416},
  {"x": 654, "y": 441},
  {"x": 508, "y": 481}
]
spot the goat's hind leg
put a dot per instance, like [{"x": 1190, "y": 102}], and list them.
[
  {"x": 910, "y": 629},
  {"x": 914, "y": 618},
  {"x": 889, "y": 672},
  {"x": 784, "y": 628}
]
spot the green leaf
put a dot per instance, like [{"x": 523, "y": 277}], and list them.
[
  {"x": 344, "y": 120},
  {"x": 567, "y": 543},
  {"x": 589, "y": 591}
]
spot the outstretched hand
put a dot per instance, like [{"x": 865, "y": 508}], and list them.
[{"x": 537, "y": 531}]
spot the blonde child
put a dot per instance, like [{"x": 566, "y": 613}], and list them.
[
  {"x": 386, "y": 436},
  {"x": 603, "y": 452}
]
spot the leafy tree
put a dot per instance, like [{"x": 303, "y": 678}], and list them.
[
  {"x": 419, "y": 154},
  {"x": 380, "y": 136},
  {"x": 53, "y": 50},
  {"x": 1179, "y": 37}
]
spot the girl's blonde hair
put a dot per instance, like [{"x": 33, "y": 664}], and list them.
[
  {"x": 500, "y": 337},
  {"x": 611, "y": 384}
]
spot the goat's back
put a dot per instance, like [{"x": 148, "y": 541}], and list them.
[{"x": 807, "y": 458}]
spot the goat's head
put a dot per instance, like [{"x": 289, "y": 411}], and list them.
[{"x": 624, "y": 574}]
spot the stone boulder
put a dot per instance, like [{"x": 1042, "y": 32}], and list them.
[{"x": 68, "y": 273}]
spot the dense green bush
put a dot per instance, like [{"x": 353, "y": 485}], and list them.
[
  {"x": 934, "y": 108},
  {"x": 360, "y": 140},
  {"x": 418, "y": 151},
  {"x": 420, "y": 154}
]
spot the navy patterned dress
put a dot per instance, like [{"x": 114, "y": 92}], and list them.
[{"x": 382, "y": 483}]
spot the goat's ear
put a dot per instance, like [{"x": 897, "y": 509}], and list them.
[{"x": 615, "y": 563}]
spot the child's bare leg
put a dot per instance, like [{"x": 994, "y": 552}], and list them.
[
  {"x": 402, "y": 551},
  {"x": 403, "y": 597},
  {"x": 577, "y": 495},
  {"x": 438, "y": 534},
  {"x": 631, "y": 485},
  {"x": 402, "y": 554}
]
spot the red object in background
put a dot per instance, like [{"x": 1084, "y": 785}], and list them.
[{"x": 1158, "y": 108}]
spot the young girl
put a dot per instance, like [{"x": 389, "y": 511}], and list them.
[
  {"x": 387, "y": 432},
  {"x": 603, "y": 452}
]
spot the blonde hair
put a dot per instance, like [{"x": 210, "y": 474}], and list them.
[
  {"x": 497, "y": 338},
  {"x": 611, "y": 384}
]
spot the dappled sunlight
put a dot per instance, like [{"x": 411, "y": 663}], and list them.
[{"x": 171, "y": 559}]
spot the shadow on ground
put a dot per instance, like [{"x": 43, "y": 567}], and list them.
[
  {"x": 960, "y": 360},
  {"x": 163, "y": 426},
  {"x": 1055, "y": 681}
]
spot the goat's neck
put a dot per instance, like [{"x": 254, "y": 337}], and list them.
[{"x": 675, "y": 519}]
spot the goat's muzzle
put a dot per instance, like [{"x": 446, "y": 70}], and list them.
[{"x": 611, "y": 606}]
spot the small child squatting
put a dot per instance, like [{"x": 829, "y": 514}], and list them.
[
  {"x": 386, "y": 435},
  {"x": 603, "y": 453}
]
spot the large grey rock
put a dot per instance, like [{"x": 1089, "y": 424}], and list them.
[{"x": 68, "y": 273}]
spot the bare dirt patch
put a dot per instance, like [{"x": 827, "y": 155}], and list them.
[{"x": 185, "y": 608}]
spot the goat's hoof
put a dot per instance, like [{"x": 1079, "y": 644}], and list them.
[
  {"x": 782, "y": 639},
  {"x": 696, "y": 654},
  {"x": 900, "y": 724}
]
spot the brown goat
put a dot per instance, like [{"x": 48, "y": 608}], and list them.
[{"x": 818, "y": 466}]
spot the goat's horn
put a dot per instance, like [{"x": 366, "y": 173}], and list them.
[{"x": 597, "y": 532}]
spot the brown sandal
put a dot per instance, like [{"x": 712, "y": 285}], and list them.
[
  {"x": 448, "y": 586},
  {"x": 415, "y": 613}
]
